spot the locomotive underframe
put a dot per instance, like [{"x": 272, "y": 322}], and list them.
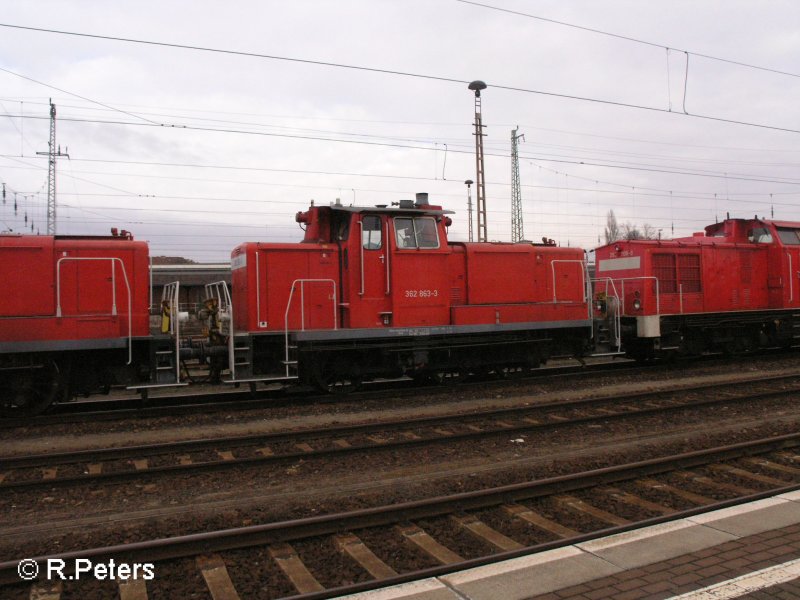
[
  {"x": 324, "y": 359},
  {"x": 37, "y": 374},
  {"x": 699, "y": 333}
]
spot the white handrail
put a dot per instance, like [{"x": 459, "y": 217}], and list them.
[
  {"x": 658, "y": 293},
  {"x": 219, "y": 289},
  {"x": 171, "y": 293},
  {"x": 388, "y": 253},
  {"x": 616, "y": 322},
  {"x": 791, "y": 279},
  {"x": 302, "y": 283},
  {"x": 361, "y": 248},
  {"x": 583, "y": 277},
  {"x": 112, "y": 260},
  {"x": 258, "y": 291}
]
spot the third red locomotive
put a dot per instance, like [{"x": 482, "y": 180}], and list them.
[{"x": 732, "y": 288}]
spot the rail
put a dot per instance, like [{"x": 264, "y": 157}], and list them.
[
  {"x": 302, "y": 283},
  {"x": 113, "y": 260}
]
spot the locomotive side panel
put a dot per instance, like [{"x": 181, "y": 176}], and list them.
[
  {"x": 262, "y": 281},
  {"x": 75, "y": 289},
  {"x": 95, "y": 283},
  {"x": 522, "y": 283},
  {"x": 27, "y": 261},
  {"x": 734, "y": 278}
]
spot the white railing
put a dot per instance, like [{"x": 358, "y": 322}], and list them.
[
  {"x": 584, "y": 278},
  {"x": 170, "y": 294},
  {"x": 616, "y": 322},
  {"x": 388, "y": 253},
  {"x": 652, "y": 277},
  {"x": 219, "y": 290},
  {"x": 112, "y": 261},
  {"x": 302, "y": 283}
]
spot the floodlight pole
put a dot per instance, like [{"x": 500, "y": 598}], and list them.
[{"x": 480, "y": 187}]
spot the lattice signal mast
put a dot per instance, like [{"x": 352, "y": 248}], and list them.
[
  {"x": 52, "y": 154},
  {"x": 480, "y": 186},
  {"x": 517, "y": 234}
]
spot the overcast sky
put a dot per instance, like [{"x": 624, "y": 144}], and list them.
[{"x": 197, "y": 151}]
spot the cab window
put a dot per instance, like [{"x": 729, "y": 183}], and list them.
[
  {"x": 789, "y": 236},
  {"x": 371, "y": 232},
  {"x": 760, "y": 235},
  {"x": 416, "y": 232}
]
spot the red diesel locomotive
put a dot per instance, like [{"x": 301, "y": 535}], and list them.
[
  {"x": 77, "y": 311},
  {"x": 380, "y": 292},
  {"x": 733, "y": 288}
]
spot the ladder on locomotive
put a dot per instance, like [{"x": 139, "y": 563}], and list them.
[
  {"x": 165, "y": 348},
  {"x": 240, "y": 345}
]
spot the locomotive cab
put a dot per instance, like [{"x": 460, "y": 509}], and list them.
[{"x": 392, "y": 261}]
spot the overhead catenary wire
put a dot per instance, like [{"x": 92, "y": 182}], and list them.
[
  {"x": 377, "y": 70},
  {"x": 629, "y": 38},
  {"x": 391, "y": 122},
  {"x": 648, "y": 168}
]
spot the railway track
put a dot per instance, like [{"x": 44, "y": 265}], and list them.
[
  {"x": 45, "y": 471},
  {"x": 325, "y": 556},
  {"x": 186, "y": 404}
]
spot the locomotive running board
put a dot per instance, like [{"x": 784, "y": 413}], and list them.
[
  {"x": 144, "y": 390},
  {"x": 152, "y": 386},
  {"x": 261, "y": 379}
]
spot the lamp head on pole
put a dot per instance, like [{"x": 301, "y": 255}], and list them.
[{"x": 477, "y": 86}]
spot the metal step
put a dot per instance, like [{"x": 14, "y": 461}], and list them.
[{"x": 260, "y": 379}]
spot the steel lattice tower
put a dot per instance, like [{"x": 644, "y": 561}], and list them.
[
  {"x": 516, "y": 189},
  {"x": 52, "y": 153}
]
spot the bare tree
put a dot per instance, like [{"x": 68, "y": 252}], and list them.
[
  {"x": 612, "y": 233},
  {"x": 633, "y": 232}
]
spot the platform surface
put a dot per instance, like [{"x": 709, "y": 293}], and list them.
[{"x": 749, "y": 551}]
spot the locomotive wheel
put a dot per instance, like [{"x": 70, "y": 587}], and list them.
[
  {"x": 329, "y": 374},
  {"x": 33, "y": 390},
  {"x": 337, "y": 384}
]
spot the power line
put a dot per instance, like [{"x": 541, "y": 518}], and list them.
[
  {"x": 628, "y": 38},
  {"x": 63, "y": 91},
  {"x": 380, "y": 71},
  {"x": 682, "y": 145},
  {"x": 428, "y": 148}
]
